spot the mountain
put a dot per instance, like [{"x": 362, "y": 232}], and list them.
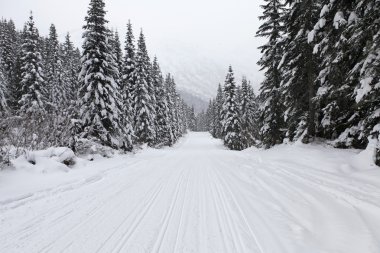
[{"x": 198, "y": 69}]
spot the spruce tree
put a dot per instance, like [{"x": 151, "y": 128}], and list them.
[
  {"x": 144, "y": 108},
  {"x": 171, "y": 107},
  {"x": 71, "y": 67},
  {"x": 54, "y": 72},
  {"x": 10, "y": 56},
  {"x": 218, "y": 113},
  {"x": 128, "y": 72},
  {"x": 99, "y": 110},
  {"x": 247, "y": 114},
  {"x": 162, "y": 111},
  {"x": 231, "y": 120},
  {"x": 329, "y": 37},
  {"x": 3, "y": 100},
  {"x": 271, "y": 114},
  {"x": 299, "y": 70},
  {"x": 33, "y": 83}
]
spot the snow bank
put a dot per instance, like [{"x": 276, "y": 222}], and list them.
[{"x": 46, "y": 161}]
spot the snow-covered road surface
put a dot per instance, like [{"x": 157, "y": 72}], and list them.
[{"x": 199, "y": 197}]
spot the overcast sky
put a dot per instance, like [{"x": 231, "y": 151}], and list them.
[{"x": 220, "y": 29}]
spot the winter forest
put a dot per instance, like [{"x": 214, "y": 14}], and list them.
[
  {"x": 101, "y": 151},
  {"x": 322, "y": 80},
  {"x": 53, "y": 94}
]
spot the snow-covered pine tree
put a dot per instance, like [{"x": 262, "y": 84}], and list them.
[
  {"x": 3, "y": 87},
  {"x": 171, "y": 107},
  {"x": 128, "y": 72},
  {"x": 231, "y": 120},
  {"x": 54, "y": 73},
  {"x": 192, "y": 118},
  {"x": 175, "y": 113},
  {"x": 218, "y": 113},
  {"x": 144, "y": 118},
  {"x": 329, "y": 37},
  {"x": 99, "y": 110},
  {"x": 163, "y": 129},
  {"x": 71, "y": 67},
  {"x": 271, "y": 113},
  {"x": 33, "y": 83},
  {"x": 121, "y": 101},
  {"x": 299, "y": 70},
  {"x": 118, "y": 54},
  {"x": 248, "y": 110},
  {"x": 366, "y": 130},
  {"x": 9, "y": 54}
]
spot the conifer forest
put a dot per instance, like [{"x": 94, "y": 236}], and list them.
[{"x": 109, "y": 146}]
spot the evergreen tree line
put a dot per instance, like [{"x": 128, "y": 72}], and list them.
[
  {"x": 232, "y": 115},
  {"x": 322, "y": 74},
  {"x": 53, "y": 94}
]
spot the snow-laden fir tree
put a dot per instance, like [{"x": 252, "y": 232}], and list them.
[
  {"x": 122, "y": 102},
  {"x": 334, "y": 100},
  {"x": 54, "y": 72},
  {"x": 33, "y": 84},
  {"x": 10, "y": 56},
  {"x": 163, "y": 130},
  {"x": 367, "y": 91},
  {"x": 143, "y": 103},
  {"x": 171, "y": 106},
  {"x": 128, "y": 72},
  {"x": 99, "y": 109},
  {"x": 271, "y": 112},
  {"x": 3, "y": 87},
  {"x": 71, "y": 67},
  {"x": 248, "y": 111},
  {"x": 231, "y": 120},
  {"x": 299, "y": 70},
  {"x": 219, "y": 100},
  {"x": 118, "y": 54}
]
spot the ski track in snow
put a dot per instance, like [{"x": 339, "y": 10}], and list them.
[{"x": 199, "y": 197}]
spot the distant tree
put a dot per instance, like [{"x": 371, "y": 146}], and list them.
[{"x": 231, "y": 120}]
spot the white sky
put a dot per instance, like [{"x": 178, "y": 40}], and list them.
[{"x": 222, "y": 30}]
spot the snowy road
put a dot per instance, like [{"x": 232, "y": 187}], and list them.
[{"x": 199, "y": 197}]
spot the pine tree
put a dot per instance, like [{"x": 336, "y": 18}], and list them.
[
  {"x": 231, "y": 120},
  {"x": 9, "y": 54},
  {"x": 270, "y": 93},
  {"x": 162, "y": 111},
  {"x": 71, "y": 66},
  {"x": 299, "y": 70},
  {"x": 144, "y": 119},
  {"x": 128, "y": 72},
  {"x": 99, "y": 110},
  {"x": 171, "y": 106},
  {"x": 54, "y": 72},
  {"x": 247, "y": 114},
  {"x": 334, "y": 98},
  {"x": 218, "y": 113},
  {"x": 3, "y": 100},
  {"x": 33, "y": 83}
]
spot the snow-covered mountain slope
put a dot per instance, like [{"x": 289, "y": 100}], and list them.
[
  {"x": 197, "y": 197},
  {"x": 198, "y": 69}
]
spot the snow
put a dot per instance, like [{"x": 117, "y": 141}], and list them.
[{"x": 197, "y": 197}]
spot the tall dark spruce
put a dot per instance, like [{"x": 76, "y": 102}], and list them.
[
  {"x": 100, "y": 115},
  {"x": 271, "y": 113}
]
